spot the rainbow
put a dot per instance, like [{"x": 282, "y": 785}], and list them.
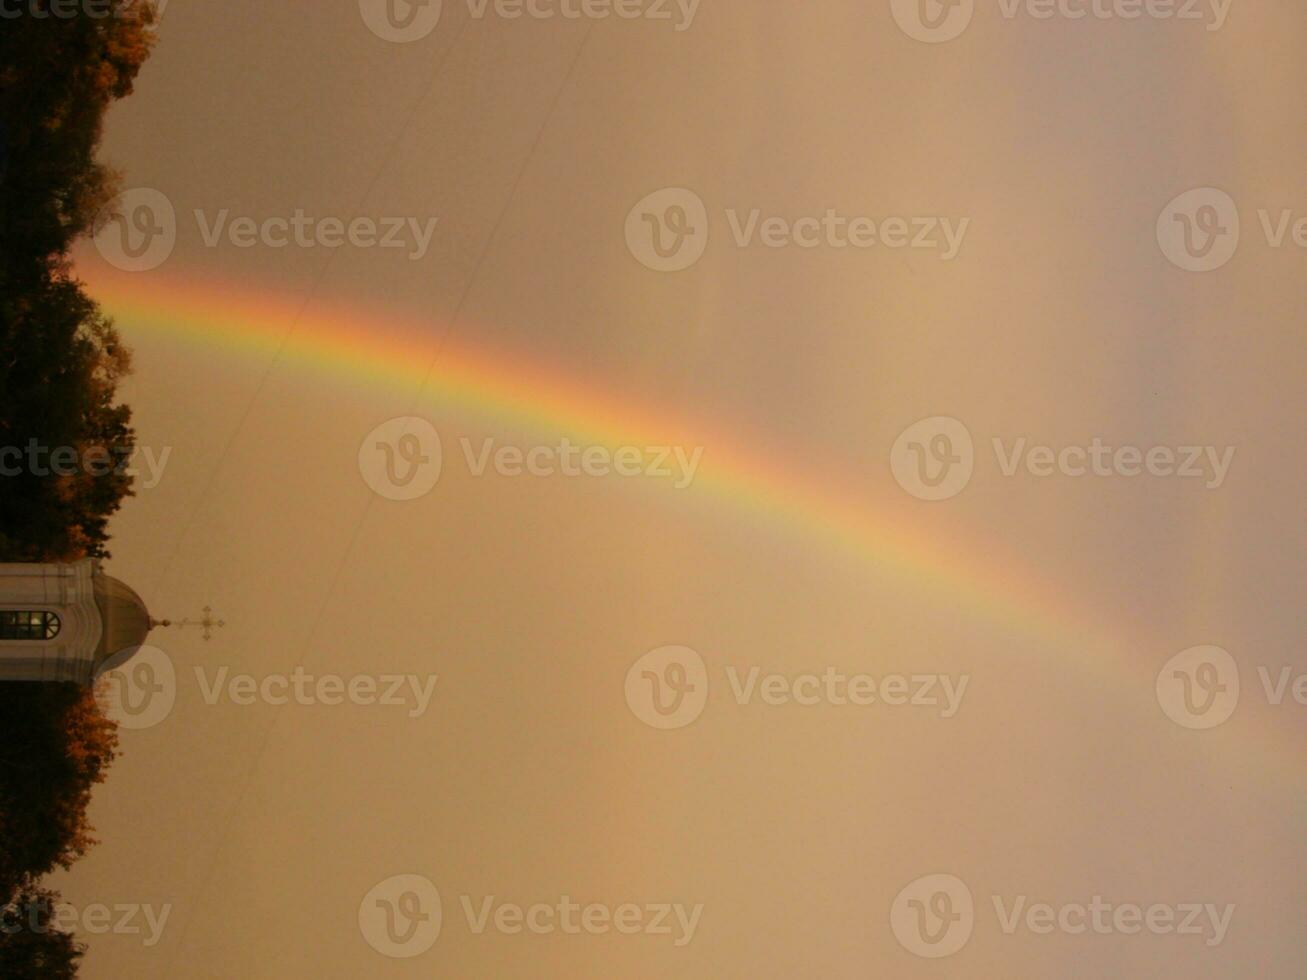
[
  {"x": 905, "y": 540},
  {"x": 444, "y": 370}
]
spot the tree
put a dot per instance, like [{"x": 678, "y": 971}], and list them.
[
  {"x": 60, "y": 365},
  {"x": 31, "y": 946},
  {"x": 57, "y": 747},
  {"x": 58, "y": 74}
]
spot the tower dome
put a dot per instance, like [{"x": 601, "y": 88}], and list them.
[
  {"x": 125, "y": 622},
  {"x": 67, "y": 622}
]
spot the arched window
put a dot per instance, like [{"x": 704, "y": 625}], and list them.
[{"x": 28, "y": 625}]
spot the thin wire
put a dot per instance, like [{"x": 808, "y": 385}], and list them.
[
  {"x": 356, "y": 533},
  {"x": 206, "y": 491}
]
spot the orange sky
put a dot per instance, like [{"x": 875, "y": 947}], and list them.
[{"x": 527, "y": 776}]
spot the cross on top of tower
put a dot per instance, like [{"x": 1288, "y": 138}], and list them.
[{"x": 208, "y": 624}]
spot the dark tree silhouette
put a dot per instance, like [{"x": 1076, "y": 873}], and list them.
[
  {"x": 30, "y": 945},
  {"x": 58, "y": 74},
  {"x": 58, "y": 746},
  {"x": 60, "y": 364}
]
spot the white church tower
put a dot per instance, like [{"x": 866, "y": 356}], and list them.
[{"x": 67, "y": 622}]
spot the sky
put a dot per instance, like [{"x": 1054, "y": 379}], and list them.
[{"x": 928, "y": 601}]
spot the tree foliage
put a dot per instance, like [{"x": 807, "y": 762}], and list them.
[
  {"x": 60, "y": 365},
  {"x": 31, "y": 944},
  {"x": 58, "y": 747},
  {"x": 58, "y": 74}
]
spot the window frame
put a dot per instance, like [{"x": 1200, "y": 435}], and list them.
[{"x": 29, "y": 625}]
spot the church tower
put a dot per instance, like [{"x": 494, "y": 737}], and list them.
[{"x": 67, "y": 622}]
